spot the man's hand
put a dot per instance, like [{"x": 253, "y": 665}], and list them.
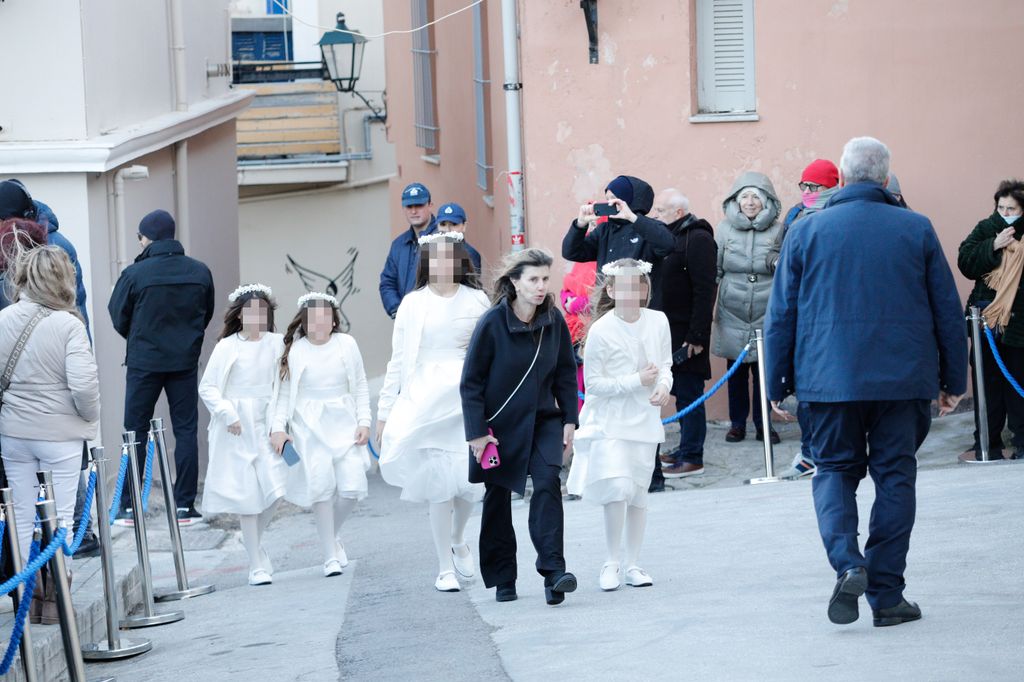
[
  {"x": 948, "y": 403},
  {"x": 785, "y": 414},
  {"x": 568, "y": 432},
  {"x": 648, "y": 375},
  {"x": 278, "y": 439},
  {"x": 1003, "y": 239},
  {"x": 660, "y": 396},
  {"x": 625, "y": 212}
]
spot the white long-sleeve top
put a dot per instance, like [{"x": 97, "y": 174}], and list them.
[
  {"x": 300, "y": 360},
  {"x": 218, "y": 369},
  {"x": 617, "y": 404}
]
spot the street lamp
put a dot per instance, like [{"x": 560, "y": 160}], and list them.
[{"x": 343, "y": 55}]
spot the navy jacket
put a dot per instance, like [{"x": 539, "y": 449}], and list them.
[
  {"x": 864, "y": 306},
  {"x": 399, "y": 274},
  {"x": 162, "y": 304},
  {"x": 46, "y": 218}
]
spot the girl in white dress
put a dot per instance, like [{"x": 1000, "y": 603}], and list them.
[
  {"x": 628, "y": 373},
  {"x": 419, "y": 416},
  {"x": 325, "y": 403},
  {"x": 244, "y": 475}
]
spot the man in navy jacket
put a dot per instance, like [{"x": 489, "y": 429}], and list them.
[
  {"x": 399, "y": 275},
  {"x": 865, "y": 325}
]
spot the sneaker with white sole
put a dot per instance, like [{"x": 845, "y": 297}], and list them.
[
  {"x": 801, "y": 469},
  {"x": 462, "y": 558},
  {"x": 332, "y": 567},
  {"x": 610, "y": 576},
  {"x": 342, "y": 556},
  {"x": 638, "y": 577},
  {"x": 447, "y": 582},
  {"x": 266, "y": 566},
  {"x": 259, "y": 577}
]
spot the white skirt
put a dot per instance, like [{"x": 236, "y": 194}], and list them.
[
  {"x": 329, "y": 461},
  {"x": 244, "y": 474},
  {"x": 612, "y": 470},
  {"x": 423, "y": 448}
]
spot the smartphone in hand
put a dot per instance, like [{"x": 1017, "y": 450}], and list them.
[
  {"x": 289, "y": 454},
  {"x": 605, "y": 209}
]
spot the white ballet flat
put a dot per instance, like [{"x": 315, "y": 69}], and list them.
[
  {"x": 342, "y": 556},
  {"x": 463, "y": 564},
  {"x": 447, "y": 582},
  {"x": 638, "y": 577},
  {"x": 259, "y": 577},
  {"x": 332, "y": 567},
  {"x": 610, "y": 576}
]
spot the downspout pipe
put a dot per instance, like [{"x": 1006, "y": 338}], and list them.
[
  {"x": 178, "y": 76},
  {"x": 513, "y": 122}
]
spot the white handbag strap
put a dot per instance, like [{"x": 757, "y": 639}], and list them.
[{"x": 528, "y": 370}]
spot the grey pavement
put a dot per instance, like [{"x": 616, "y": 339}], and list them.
[{"x": 741, "y": 586}]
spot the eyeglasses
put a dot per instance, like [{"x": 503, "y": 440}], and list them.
[{"x": 810, "y": 187}]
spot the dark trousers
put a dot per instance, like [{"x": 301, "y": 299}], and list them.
[
  {"x": 693, "y": 428},
  {"x": 142, "y": 391},
  {"x": 498, "y": 537},
  {"x": 849, "y": 440},
  {"x": 83, "y": 488},
  {"x": 1000, "y": 397},
  {"x": 739, "y": 387}
]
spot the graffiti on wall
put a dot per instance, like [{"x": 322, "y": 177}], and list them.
[{"x": 340, "y": 287}]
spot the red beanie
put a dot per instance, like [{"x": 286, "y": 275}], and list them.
[{"x": 821, "y": 172}]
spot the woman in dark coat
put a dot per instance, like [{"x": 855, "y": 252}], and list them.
[
  {"x": 980, "y": 254},
  {"x": 519, "y": 381}
]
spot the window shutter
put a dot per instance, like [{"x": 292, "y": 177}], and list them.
[
  {"x": 423, "y": 78},
  {"x": 725, "y": 56}
]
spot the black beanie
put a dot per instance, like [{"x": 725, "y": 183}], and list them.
[
  {"x": 15, "y": 201},
  {"x": 157, "y": 225}
]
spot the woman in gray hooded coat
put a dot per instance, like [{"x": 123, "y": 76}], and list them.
[{"x": 749, "y": 240}]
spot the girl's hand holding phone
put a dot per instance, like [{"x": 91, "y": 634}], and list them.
[
  {"x": 477, "y": 445},
  {"x": 278, "y": 439}
]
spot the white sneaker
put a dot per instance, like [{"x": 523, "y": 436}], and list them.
[
  {"x": 447, "y": 582},
  {"x": 342, "y": 557},
  {"x": 610, "y": 578},
  {"x": 258, "y": 576},
  {"x": 638, "y": 577},
  {"x": 463, "y": 562},
  {"x": 268, "y": 567},
  {"x": 332, "y": 567}
]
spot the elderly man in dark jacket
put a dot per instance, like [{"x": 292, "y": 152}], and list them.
[
  {"x": 162, "y": 304},
  {"x": 688, "y": 281},
  {"x": 868, "y": 361}
]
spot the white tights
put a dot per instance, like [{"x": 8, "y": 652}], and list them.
[
  {"x": 253, "y": 526},
  {"x": 617, "y": 515},
  {"x": 447, "y": 523},
  {"x": 330, "y": 515}
]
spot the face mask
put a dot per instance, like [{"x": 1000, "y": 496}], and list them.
[
  {"x": 1010, "y": 219},
  {"x": 809, "y": 198}
]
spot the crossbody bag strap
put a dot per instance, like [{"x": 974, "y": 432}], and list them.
[
  {"x": 19, "y": 346},
  {"x": 521, "y": 381}
]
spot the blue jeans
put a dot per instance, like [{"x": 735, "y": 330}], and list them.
[
  {"x": 841, "y": 436},
  {"x": 693, "y": 428}
]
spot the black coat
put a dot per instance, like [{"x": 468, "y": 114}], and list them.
[
  {"x": 688, "y": 289},
  {"x": 499, "y": 354},
  {"x": 161, "y": 304}
]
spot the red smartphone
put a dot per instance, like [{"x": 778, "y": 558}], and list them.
[{"x": 490, "y": 458}]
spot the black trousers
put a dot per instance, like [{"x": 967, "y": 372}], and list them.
[
  {"x": 1002, "y": 404},
  {"x": 498, "y": 537},
  {"x": 142, "y": 391}
]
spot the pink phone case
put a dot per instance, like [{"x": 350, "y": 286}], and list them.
[{"x": 490, "y": 458}]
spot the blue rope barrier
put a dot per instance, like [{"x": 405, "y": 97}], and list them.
[
  {"x": 3, "y": 529},
  {"x": 147, "y": 481},
  {"x": 999, "y": 361},
  {"x": 372, "y": 450},
  {"x": 37, "y": 563},
  {"x": 21, "y": 616},
  {"x": 83, "y": 524},
  {"x": 122, "y": 472}
]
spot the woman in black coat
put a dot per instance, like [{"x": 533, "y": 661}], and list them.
[{"x": 519, "y": 381}]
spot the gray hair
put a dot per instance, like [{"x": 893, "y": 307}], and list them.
[
  {"x": 865, "y": 159},
  {"x": 677, "y": 201}
]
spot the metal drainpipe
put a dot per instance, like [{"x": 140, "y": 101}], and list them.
[
  {"x": 513, "y": 122},
  {"x": 130, "y": 173},
  {"x": 178, "y": 74}
]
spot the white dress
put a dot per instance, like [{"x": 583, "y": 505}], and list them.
[
  {"x": 328, "y": 403},
  {"x": 619, "y": 428},
  {"x": 244, "y": 474},
  {"x": 423, "y": 449}
]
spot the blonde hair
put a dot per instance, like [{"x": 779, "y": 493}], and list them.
[
  {"x": 44, "y": 275},
  {"x": 600, "y": 301}
]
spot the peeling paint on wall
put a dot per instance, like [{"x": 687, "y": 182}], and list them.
[
  {"x": 609, "y": 48},
  {"x": 591, "y": 172},
  {"x": 564, "y": 131},
  {"x": 840, "y": 8}
]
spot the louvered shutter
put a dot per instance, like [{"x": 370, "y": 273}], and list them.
[{"x": 725, "y": 56}]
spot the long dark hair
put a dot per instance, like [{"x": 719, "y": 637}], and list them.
[
  {"x": 512, "y": 269},
  {"x": 233, "y": 315},
  {"x": 470, "y": 277},
  {"x": 298, "y": 327},
  {"x": 1012, "y": 188}
]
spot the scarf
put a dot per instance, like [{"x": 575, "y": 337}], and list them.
[{"x": 1004, "y": 280}]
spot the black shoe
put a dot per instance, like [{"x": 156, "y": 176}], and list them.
[
  {"x": 775, "y": 437},
  {"x": 904, "y": 612},
  {"x": 657, "y": 485},
  {"x": 90, "y": 546},
  {"x": 506, "y": 592},
  {"x": 188, "y": 516},
  {"x": 555, "y": 587},
  {"x": 125, "y": 518},
  {"x": 842, "y": 607},
  {"x": 735, "y": 435}
]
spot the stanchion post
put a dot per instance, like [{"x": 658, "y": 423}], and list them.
[
  {"x": 7, "y": 505},
  {"x": 115, "y": 646},
  {"x": 47, "y": 512},
  {"x": 979, "y": 397},
  {"x": 45, "y": 479},
  {"x": 184, "y": 591},
  {"x": 766, "y": 414},
  {"x": 148, "y": 616}
]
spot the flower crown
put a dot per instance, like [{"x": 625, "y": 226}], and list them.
[
  {"x": 440, "y": 237},
  {"x": 613, "y": 270},
  {"x": 317, "y": 296},
  {"x": 250, "y": 289}
]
